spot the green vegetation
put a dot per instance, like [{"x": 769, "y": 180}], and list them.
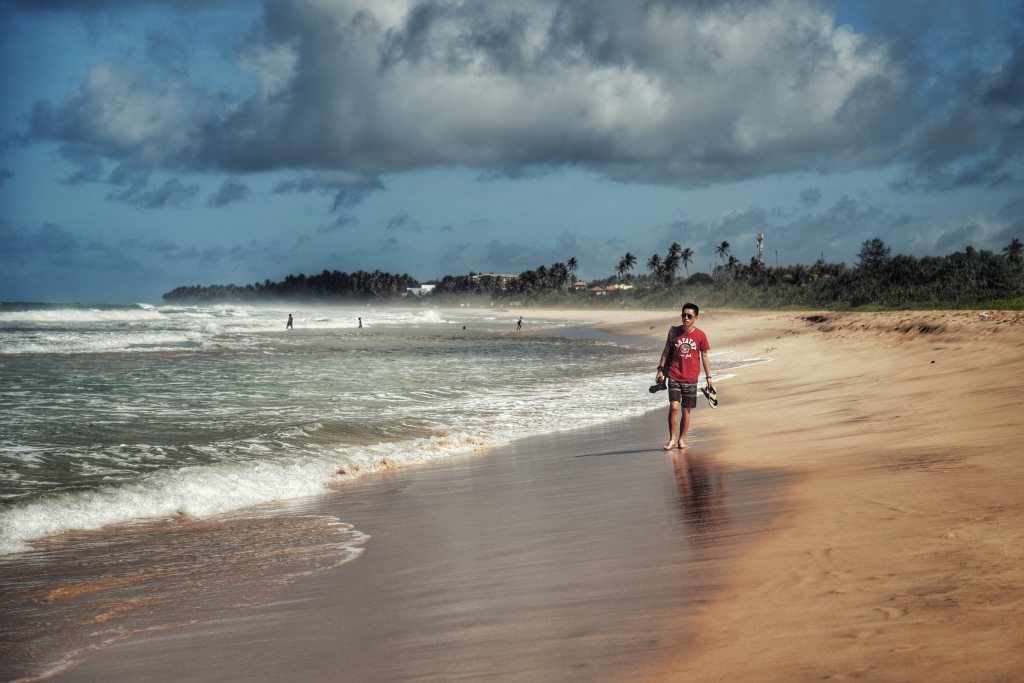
[
  {"x": 327, "y": 286},
  {"x": 969, "y": 280}
]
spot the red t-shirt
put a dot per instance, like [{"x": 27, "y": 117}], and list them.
[{"x": 684, "y": 363}]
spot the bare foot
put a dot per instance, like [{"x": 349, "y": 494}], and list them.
[
  {"x": 670, "y": 445},
  {"x": 682, "y": 445}
]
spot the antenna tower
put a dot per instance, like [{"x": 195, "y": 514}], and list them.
[{"x": 760, "y": 246}]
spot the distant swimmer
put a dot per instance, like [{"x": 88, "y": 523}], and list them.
[
  {"x": 519, "y": 327},
  {"x": 685, "y": 350},
  {"x": 289, "y": 325},
  {"x": 360, "y": 323}
]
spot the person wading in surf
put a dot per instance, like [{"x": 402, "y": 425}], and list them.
[{"x": 686, "y": 349}]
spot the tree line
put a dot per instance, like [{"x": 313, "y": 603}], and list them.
[
  {"x": 960, "y": 278},
  {"x": 327, "y": 286}
]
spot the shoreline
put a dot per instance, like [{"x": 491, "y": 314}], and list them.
[
  {"x": 560, "y": 557},
  {"x": 680, "y": 532},
  {"x": 895, "y": 553}
]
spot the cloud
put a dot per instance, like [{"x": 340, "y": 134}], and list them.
[
  {"x": 53, "y": 246},
  {"x": 5, "y": 175},
  {"x": 655, "y": 92},
  {"x": 404, "y": 222},
  {"x": 212, "y": 255},
  {"x": 183, "y": 254},
  {"x": 256, "y": 251},
  {"x": 230, "y": 191},
  {"x": 348, "y": 188},
  {"x": 171, "y": 193},
  {"x": 810, "y": 197},
  {"x": 338, "y": 224},
  {"x": 662, "y": 91}
]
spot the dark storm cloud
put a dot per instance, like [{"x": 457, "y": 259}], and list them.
[
  {"x": 230, "y": 191},
  {"x": 668, "y": 92}
]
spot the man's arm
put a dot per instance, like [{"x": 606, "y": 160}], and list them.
[
  {"x": 707, "y": 366},
  {"x": 661, "y": 363}
]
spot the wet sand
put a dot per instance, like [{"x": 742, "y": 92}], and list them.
[{"x": 565, "y": 557}]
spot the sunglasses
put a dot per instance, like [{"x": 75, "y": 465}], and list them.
[{"x": 688, "y": 315}]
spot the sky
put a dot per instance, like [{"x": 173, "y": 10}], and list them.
[{"x": 146, "y": 145}]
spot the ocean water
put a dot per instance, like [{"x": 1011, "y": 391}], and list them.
[{"x": 117, "y": 413}]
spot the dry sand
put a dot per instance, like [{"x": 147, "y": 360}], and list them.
[{"x": 901, "y": 558}]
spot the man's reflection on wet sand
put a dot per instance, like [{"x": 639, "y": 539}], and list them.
[{"x": 702, "y": 497}]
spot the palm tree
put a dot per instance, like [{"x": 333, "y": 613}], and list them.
[
  {"x": 626, "y": 265},
  {"x": 572, "y": 264},
  {"x": 675, "y": 250},
  {"x": 1014, "y": 250},
  {"x": 654, "y": 265},
  {"x": 672, "y": 259},
  {"x": 670, "y": 267},
  {"x": 686, "y": 256},
  {"x": 723, "y": 250},
  {"x": 559, "y": 275}
]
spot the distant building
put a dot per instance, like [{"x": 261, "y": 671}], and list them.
[
  {"x": 421, "y": 290},
  {"x": 505, "y": 278},
  {"x": 579, "y": 285},
  {"x": 598, "y": 291}
]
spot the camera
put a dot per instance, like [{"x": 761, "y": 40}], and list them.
[{"x": 660, "y": 386}]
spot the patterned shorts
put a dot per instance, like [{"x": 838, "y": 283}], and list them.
[{"x": 683, "y": 392}]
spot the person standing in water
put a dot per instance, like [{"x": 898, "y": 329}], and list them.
[
  {"x": 519, "y": 327},
  {"x": 685, "y": 351},
  {"x": 289, "y": 325}
]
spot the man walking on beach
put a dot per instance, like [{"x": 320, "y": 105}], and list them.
[{"x": 685, "y": 351}]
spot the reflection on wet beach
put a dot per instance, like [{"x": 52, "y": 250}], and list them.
[{"x": 703, "y": 497}]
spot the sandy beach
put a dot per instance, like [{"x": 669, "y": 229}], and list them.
[
  {"x": 851, "y": 510},
  {"x": 900, "y": 559}
]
